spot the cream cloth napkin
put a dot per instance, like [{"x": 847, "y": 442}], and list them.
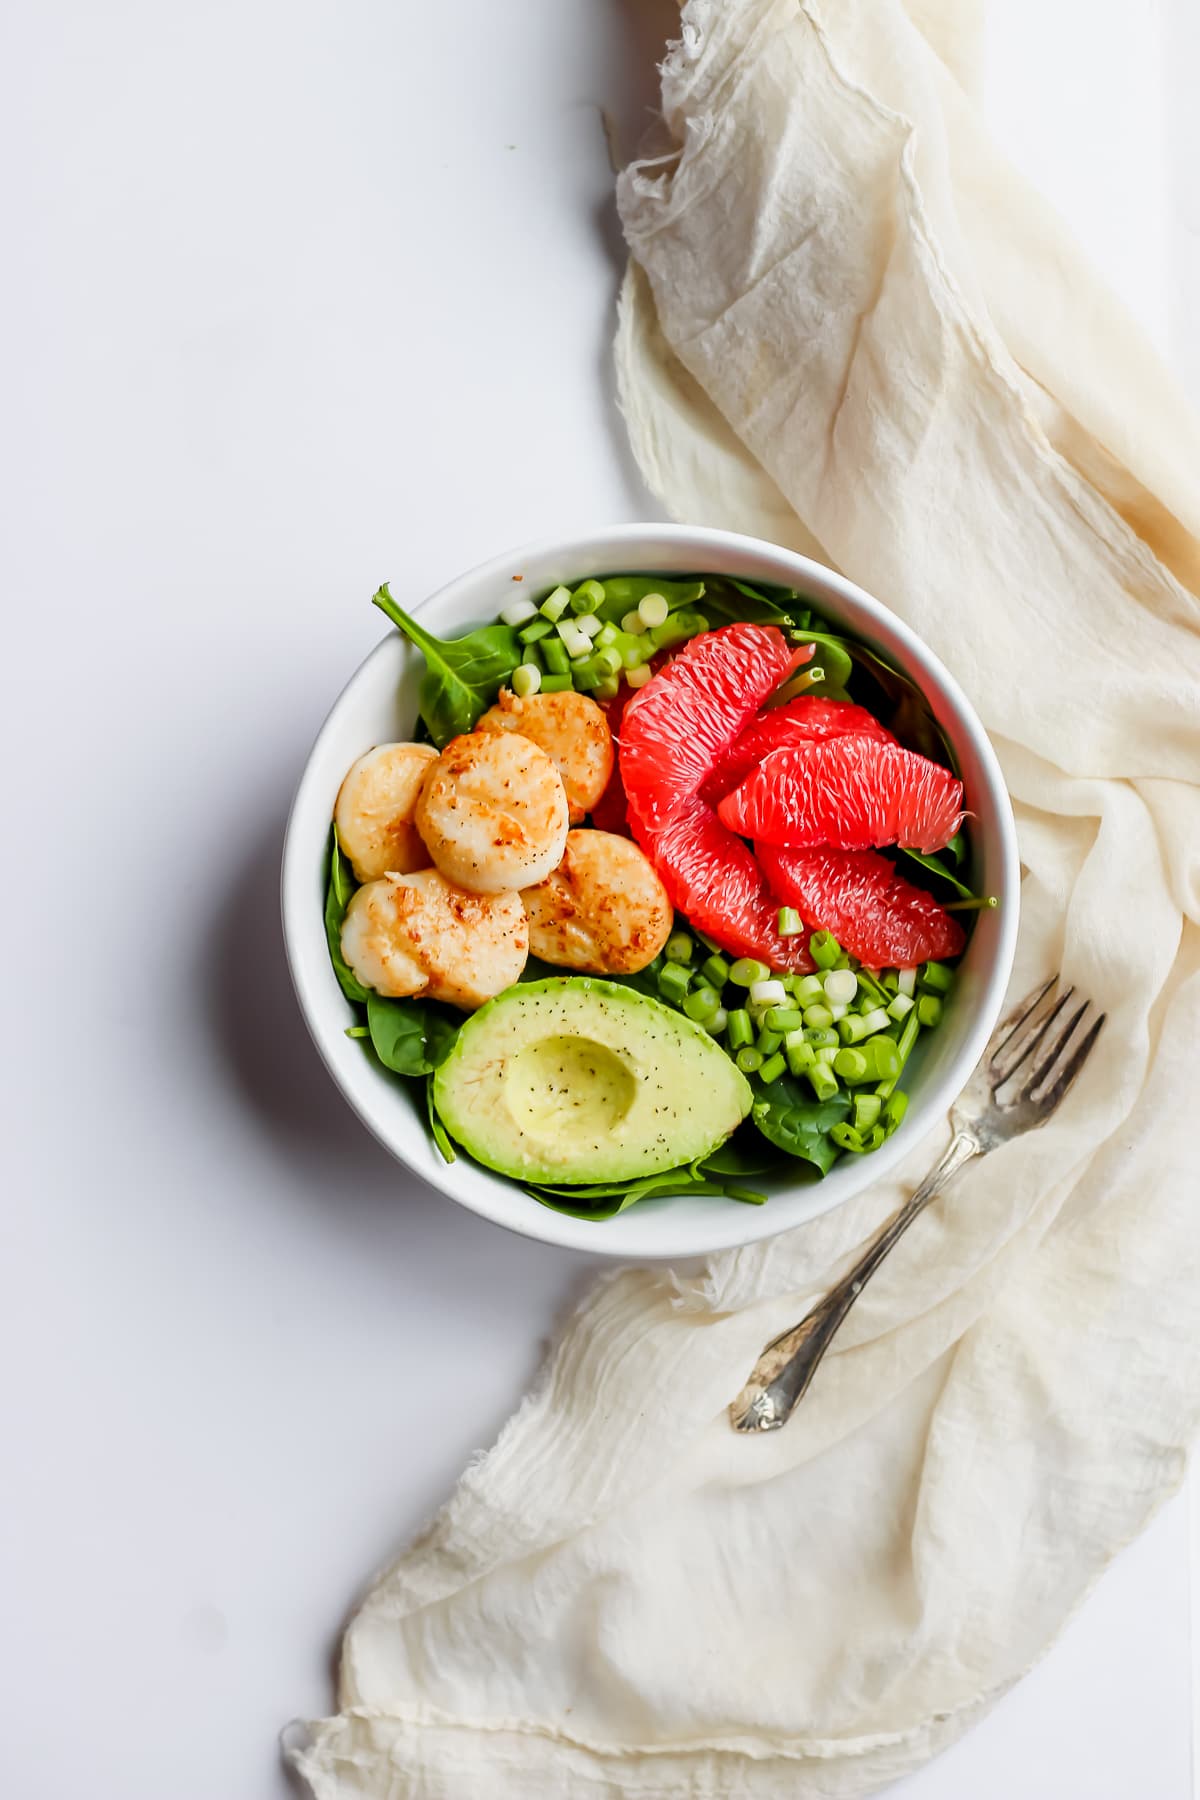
[{"x": 850, "y": 326}]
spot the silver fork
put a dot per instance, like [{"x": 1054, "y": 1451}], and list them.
[{"x": 1029, "y": 1064}]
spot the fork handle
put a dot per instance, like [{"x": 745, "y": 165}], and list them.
[{"x": 783, "y": 1373}]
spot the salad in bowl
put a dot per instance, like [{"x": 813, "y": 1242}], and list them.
[{"x": 664, "y": 884}]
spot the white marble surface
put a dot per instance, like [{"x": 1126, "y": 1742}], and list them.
[{"x": 299, "y": 296}]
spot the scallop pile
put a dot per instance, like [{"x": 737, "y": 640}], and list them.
[{"x": 472, "y": 859}]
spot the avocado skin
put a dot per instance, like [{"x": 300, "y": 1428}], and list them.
[{"x": 578, "y": 1080}]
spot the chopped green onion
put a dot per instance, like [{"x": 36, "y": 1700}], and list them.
[
  {"x": 539, "y": 629},
  {"x": 819, "y": 1017},
  {"x": 784, "y": 1018},
  {"x": 896, "y": 1108},
  {"x": 678, "y": 629},
  {"x": 810, "y": 990},
  {"x": 555, "y": 605},
  {"x": 588, "y": 597},
  {"x": 845, "y": 1137},
  {"x": 826, "y": 1053},
  {"x": 841, "y": 985},
  {"x": 790, "y": 923},
  {"x": 358, "y": 1031},
  {"x": 903, "y": 1050},
  {"x": 906, "y": 981},
  {"x": 929, "y": 1010},
  {"x": 607, "y": 688},
  {"x": 875, "y": 1021},
  {"x": 883, "y": 1056},
  {"x": 748, "y": 1060},
  {"x": 870, "y": 989},
  {"x": 576, "y": 643},
  {"x": 867, "y": 1108},
  {"x": 768, "y": 993},
  {"x": 824, "y": 949},
  {"x": 716, "y": 969},
  {"x": 769, "y": 1041},
  {"x": 936, "y": 977},
  {"x": 800, "y": 1057},
  {"x": 852, "y": 1029},
  {"x": 851, "y": 1065},
  {"x": 820, "y": 1034},
  {"x": 745, "y": 972},
  {"x": 526, "y": 680},
  {"x": 823, "y": 1081},
  {"x": 716, "y": 1022},
  {"x": 637, "y": 678},
  {"x": 519, "y": 611},
  {"x": 680, "y": 948},
  {"x": 634, "y": 623},
  {"x": 739, "y": 1031},
  {"x": 556, "y": 683},
  {"x": 590, "y": 625},
  {"x": 900, "y": 1007},
  {"x": 701, "y": 1003},
  {"x": 653, "y": 610},
  {"x": 674, "y": 982},
  {"x": 607, "y": 634},
  {"x": 839, "y": 1012},
  {"x": 772, "y": 1068},
  {"x": 609, "y": 660},
  {"x": 585, "y": 675},
  {"x": 554, "y": 654}
]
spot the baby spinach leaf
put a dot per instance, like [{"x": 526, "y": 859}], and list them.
[
  {"x": 437, "y": 1130},
  {"x": 893, "y": 698},
  {"x": 623, "y": 592},
  {"x": 907, "y": 713},
  {"x": 338, "y": 890},
  {"x": 936, "y": 867},
  {"x": 410, "y": 1037},
  {"x": 462, "y": 675},
  {"x": 607, "y": 1200},
  {"x": 790, "y": 1118},
  {"x": 745, "y": 1153},
  {"x": 729, "y": 601}
]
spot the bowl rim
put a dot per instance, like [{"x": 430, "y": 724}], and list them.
[{"x": 735, "y": 1225}]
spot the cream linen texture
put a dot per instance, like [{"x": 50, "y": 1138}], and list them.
[{"x": 849, "y": 327}]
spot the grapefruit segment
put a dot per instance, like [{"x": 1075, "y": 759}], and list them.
[
  {"x": 800, "y": 721},
  {"x": 851, "y": 793},
  {"x": 681, "y": 723},
  {"x": 871, "y": 910},
  {"x": 713, "y": 879}
]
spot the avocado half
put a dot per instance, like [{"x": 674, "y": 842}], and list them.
[{"x": 578, "y": 1080}]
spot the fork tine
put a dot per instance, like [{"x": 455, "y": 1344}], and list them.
[
  {"x": 1008, "y": 1028},
  {"x": 1028, "y": 1033},
  {"x": 1057, "y": 1076},
  {"x": 1051, "y": 1040}
]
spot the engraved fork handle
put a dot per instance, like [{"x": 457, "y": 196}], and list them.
[{"x": 783, "y": 1373}]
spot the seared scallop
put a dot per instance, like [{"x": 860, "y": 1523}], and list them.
[
  {"x": 374, "y": 811},
  {"x": 573, "y": 732},
  {"x": 493, "y": 812},
  {"x": 419, "y": 934},
  {"x": 603, "y": 909}
]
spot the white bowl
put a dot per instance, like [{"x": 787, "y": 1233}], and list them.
[{"x": 379, "y": 703}]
